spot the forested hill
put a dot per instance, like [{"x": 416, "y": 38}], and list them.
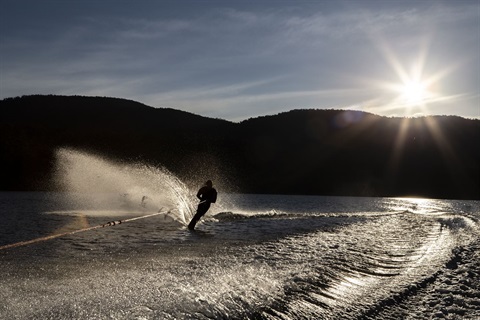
[{"x": 325, "y": 152}]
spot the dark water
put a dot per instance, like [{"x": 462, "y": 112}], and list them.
[{"x": 253, "y": 257}]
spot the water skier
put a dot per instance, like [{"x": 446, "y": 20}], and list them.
[{"x": 207, "y": 195}]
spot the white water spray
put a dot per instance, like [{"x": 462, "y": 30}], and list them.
[{"x": 94, "y": 183}]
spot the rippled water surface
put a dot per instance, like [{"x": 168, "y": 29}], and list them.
[{"x": 253, "y": 257}]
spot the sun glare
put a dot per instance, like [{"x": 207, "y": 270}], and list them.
[
  {"x": 413, "y": 88},
  {"x": 414, "y": 92}
]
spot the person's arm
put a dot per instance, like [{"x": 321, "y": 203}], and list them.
[{"x": 200, "y": 193}]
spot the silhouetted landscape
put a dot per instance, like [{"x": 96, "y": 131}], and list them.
[{"x": 321, "y": 152}]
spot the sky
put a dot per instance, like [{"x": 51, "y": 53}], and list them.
[{"x": 240, "y": 59}]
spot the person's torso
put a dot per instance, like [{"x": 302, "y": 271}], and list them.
[{"x": 208, "y": 194}]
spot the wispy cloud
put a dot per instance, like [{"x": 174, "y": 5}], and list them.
[{"x": 236, "y": 62}]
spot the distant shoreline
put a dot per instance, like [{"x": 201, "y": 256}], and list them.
[{"x": 308, "y": 152}]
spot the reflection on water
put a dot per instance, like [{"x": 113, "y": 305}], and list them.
[
  {"x": 419, "y": 205},
  {"x": 265, "y": 257}
]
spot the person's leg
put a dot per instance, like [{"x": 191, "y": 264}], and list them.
[
  {"x": 194, "y": 221},
  {"x": 201, "y": 210}
]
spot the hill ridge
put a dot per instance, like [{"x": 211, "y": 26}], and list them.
[{"x": 301, "y": 151}]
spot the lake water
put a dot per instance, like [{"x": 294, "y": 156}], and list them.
[{"x": 253, "y": 257}]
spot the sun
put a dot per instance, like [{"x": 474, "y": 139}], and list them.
[
  {"x": 414, "y": 92},
  {"x": 411, "y": 86}
]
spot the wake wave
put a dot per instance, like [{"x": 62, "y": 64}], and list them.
[
  {"x": 358, "y": 277},
  {"x": 232, "y": 216}
]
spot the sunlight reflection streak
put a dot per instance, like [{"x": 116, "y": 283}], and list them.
[
  {"x": 398, "y": 147},
  {"x": 447, "y": 151}
]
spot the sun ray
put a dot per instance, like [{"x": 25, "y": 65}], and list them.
[
  {"x": 413, "y": 89},
  {"x": 413, "y": 93}
]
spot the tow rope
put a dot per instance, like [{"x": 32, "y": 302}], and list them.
[{"x": 53, "y": 236}]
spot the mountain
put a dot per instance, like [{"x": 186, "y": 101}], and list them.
[
  {"x": 326, "y": 152},
  {"x": 354, "y": 153}
]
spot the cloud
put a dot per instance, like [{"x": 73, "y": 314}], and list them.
[
  {"x": 211, "y": 101},
  {"x": 231, "y": 61}
]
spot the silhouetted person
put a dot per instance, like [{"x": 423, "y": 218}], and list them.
[{"x": 207, "y": 195}]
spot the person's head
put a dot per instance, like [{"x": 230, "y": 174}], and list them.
[{"x": 209, "y": 183}]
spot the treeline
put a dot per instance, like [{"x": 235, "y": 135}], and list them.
[{"x": 326, "y": 152}]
